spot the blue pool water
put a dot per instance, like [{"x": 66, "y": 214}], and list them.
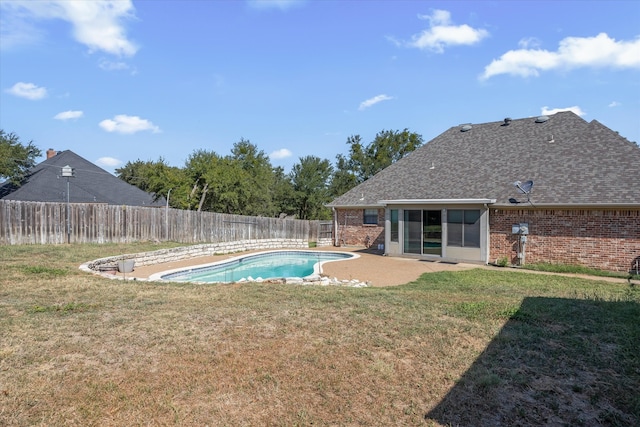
[{"x": 265, "y": 265}]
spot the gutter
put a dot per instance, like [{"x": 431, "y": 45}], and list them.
[
  {"x": 492, "y": 202},
  {"x": 437, "y": 202},
  {"x": 568, "y": 206},
  {"x": 363, "y": 206}
]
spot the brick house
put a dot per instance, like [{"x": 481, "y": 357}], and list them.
[{"x": 552, "y": 189}]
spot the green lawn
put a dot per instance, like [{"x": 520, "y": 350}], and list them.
[{"x": 478, "y": 347}]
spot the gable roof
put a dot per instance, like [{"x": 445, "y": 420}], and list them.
[
  {"x": 572, "y": 162},
  {"x": 90, "y": 184}
]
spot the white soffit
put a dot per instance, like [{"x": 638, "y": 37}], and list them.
[{"x": 437, "y": 202}]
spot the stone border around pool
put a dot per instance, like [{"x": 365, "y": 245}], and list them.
[{"x": 106, "y": 267}]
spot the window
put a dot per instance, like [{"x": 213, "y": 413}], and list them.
[
  {"x": 370, "y": 216},
  {"x": 454, "y": 227},
  {"x": 471, "y": 234},
  {"x": 394, "y": 225},
  {"x": 463, "y": 228}
]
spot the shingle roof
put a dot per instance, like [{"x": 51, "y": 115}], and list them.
[
  {"x": 90, "y": 184},
  {"x": 571, "y": 161}
]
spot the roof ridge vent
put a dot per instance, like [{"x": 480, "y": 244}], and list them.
[
  {"x": 466, "y": 128},
  {"x": 542, "y": 119}
]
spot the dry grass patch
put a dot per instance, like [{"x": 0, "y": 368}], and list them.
[{"x": 475, "y": 347}]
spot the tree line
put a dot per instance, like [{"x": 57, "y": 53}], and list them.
[{"x": 245, "y": 182}]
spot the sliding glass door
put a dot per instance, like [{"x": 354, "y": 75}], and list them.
[
  {"x": 412, "y": 231},
  {"x": 432, "y": 232},
  {"x": 423, "y": 232}
]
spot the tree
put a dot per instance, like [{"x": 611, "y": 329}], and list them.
[
  {"x": 163, "y": 178},
  {"x": 197, "y": 170},
  {"x": 310, "y": 180},
  {"x": 282, "y": 193},
  {"x": 135, "y": 173},
  {"x": 257, "y": 197},
  {"x": 343, "y": 178},
  {"x": 229, "y": 186},
  {"x": 156, "y": 178},
  {"x": 240, "y": 183},
  {"x": 387, "y": 147},
  {"x": 16, "y": 158}
]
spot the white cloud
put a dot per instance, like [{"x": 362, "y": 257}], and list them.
[
  {"x": 14, "y": 30},
  {"x": 442, "y": 33},
  {"x": 108, "y": 162},
  {"x": 98, "y": 24},
  {"x": 372, "y": 101},
  {"x": 67, "y": 115},
  {"x": 275, "y": 4},
  {"x": 282, "y": 153},
  {"x": 28, "y": 91},
  {"x": 614, "y": 104},
  {"x": 546, "y": 111},
  {"x": 128, "y": 124},
  {"x": 600, "y": 51},
  {"x": 529, "y": 43},
  {"x": 115, "y": 66}
]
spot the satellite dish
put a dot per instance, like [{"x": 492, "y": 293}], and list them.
[{"x": 524, "y": 187}]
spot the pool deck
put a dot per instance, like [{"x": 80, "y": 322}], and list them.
[{"x": 371, "y": 266}]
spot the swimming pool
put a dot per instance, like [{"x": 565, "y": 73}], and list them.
[{"x": 263, "y": 265}]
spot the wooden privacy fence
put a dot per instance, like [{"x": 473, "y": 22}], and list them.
[{"x": 46, "y": 223}]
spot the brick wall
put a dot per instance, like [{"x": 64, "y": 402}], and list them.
[
  {"x": 606, "y": 239},
  {"x": 603, "y": 239},
  {"x": 352, "y": 231}
]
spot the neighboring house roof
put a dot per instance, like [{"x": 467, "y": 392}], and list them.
[
  {"x": 571, "y": 162},
  {"x": 90, "y": 184}
]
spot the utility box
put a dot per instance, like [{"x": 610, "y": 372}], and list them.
[{"x": 522, "y": 228}]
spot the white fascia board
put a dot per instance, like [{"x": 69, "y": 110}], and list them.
[
  {"x": 527, "y": 205},
  {"x": 438, "y": 202},
  {"x": 367, "y": 206}
]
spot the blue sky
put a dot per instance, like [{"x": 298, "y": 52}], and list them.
[{"x": 118, "y": 81}]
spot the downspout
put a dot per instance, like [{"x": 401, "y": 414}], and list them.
[
  {"x": 487, "y": 235},
  {"x": 336, "y": 241}
]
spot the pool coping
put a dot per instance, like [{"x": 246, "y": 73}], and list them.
[
  {"x": 315, "y": 276},
  {"x": 189, "y": 255}
]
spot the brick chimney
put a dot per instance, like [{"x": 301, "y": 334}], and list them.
[{"x": 50, "y": 153}]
